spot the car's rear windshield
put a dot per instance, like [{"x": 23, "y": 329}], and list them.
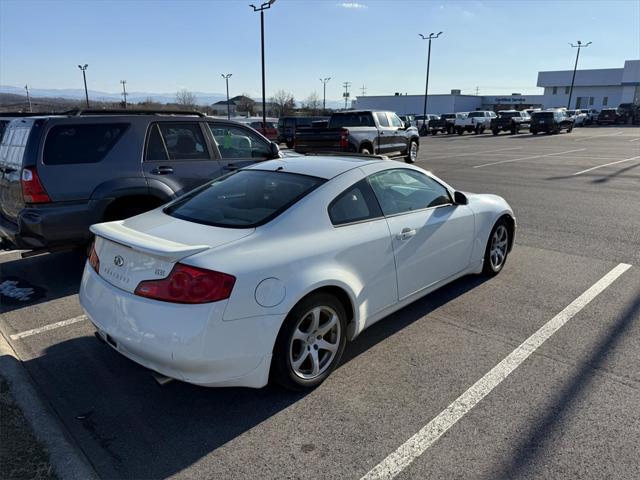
[
  {"x": 508, "y": 114},
  {"x": 243, "y": 199},
  {"x": 448, "y": 115},
  {"x": 476, "y": 114},
  {"x": 543, "y": 115},
  {"x": 351, "y": 120}
]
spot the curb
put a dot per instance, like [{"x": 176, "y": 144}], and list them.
[{"x": 68, "y": 461}]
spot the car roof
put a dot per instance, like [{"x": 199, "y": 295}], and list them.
[{"x": 321, "y": 166}]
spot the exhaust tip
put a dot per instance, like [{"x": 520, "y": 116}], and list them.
[{"x": 160, "y": 379}]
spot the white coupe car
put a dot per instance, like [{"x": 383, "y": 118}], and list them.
[{"x": 267, "y": 272}]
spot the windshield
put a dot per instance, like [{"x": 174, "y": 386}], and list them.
[
  {"x": 542, "y": 115},
  {"x": 243, "y": 199},
  {"x": 351, "y": 120},
  {"x": 448, "y": 115},
  {"x": 476, "y": 114},
  {"x": 508, "y": 114}
]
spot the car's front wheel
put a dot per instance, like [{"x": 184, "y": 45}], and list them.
[
  {"x": 412, "y": 152},
  {"x": 497, "y": 249},
  {"x": 310, "y": 342}
]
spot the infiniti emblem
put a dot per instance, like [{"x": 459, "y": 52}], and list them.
[{"x": 118, "y": 261}]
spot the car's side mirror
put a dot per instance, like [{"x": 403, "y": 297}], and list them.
[
  {"x": 274, "y": 150},
  {"x": 460, "y": 198}
]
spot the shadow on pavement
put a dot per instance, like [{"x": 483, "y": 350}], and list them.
[
  {"x": 129, "y": 427},
  {"x": 533, "y": 445}
]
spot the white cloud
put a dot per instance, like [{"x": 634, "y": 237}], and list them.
[{"x": 353, "y": 5}]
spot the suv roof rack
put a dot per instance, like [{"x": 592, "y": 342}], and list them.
[
  {"x": 363, "y": 156},
  {"x": 29, "y": 114},
  {"x": 80, "y": 112}
]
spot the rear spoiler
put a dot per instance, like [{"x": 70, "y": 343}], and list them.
[{"x": 142, "y": 242}]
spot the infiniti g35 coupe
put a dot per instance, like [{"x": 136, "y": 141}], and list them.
[{"x": 267, "y": 272}]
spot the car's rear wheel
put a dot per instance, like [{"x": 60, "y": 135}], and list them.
[
  {"x": 495, "y": 131},
  {"x": 497, "y": 249},
  {"x": 460, "y": 131},
  {"x": 366, "y": 150},
  {"x": 310, "y": 342},
  {"x": 569, "y": 129},
  {"x": 412, "y": 152}
]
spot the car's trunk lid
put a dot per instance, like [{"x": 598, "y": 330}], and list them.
[{"x": 147, "y": 247}]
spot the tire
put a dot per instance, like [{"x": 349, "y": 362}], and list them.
[
  {"x": 449, "y": 129},
  {"x": 495, "y": 132},
  {"x": 412, "y": 152},
  {"x": 434, "y": 132},
  {"x": 294, "y": 366},
  {"x": 497, "y": 249},
  {"x": 290, "y": 144},
  {"x": 366, "y": 150},
  {"x": 534, "y": 132},
  {"x": 569, "y": 129},
  {"x": 460, "y": 131}
]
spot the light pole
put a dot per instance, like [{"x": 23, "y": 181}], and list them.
[
  {"x": 426, "y": 86},
  {"x": 124, "y": 92},
  {"x": 346, "y": 86},
  {"x": 84, "y": 76},
  {"x": 261, "y": 9},
  {"x": 575, "y": 67},
  {"x": 226, "y": 79},
  {"x": 324, "y": 93},
  {"x": 26, "y": 87}
]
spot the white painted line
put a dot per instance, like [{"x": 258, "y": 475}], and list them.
[
  {"x": 528, "y": 158},
  {"x": 476, "y": 153},
  {"x": 634, "y": 139},
  {"x": 605, "y": 165},
  {"x": 430, "y": 433},
  {"x": 598, "y": 136},
  {"x": 46, "y": 328},
  {"x": 9, "y": 252}
]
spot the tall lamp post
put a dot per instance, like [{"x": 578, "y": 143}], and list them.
[
  {"x": 26, "y": 87},
  {"x": 226, "y": 79},
  {"x": 426, "y": 87},
  {"x": 575, "y": 67},
  {"x": 261, "y": 9},
  {"x": 124, "y": 93},
  {"x": 324, "y": 93},
  {"x": 84, "y": 76}
]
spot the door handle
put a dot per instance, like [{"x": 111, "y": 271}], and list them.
[
  {"x": 407, "y": 233},
  {"x": 162, "y": 170}
]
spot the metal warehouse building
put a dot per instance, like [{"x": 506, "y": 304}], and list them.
[{"x": 592, "y": 89}]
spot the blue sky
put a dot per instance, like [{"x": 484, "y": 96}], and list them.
[{"x": 163, "y": 46}]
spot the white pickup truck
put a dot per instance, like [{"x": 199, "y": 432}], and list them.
[{"x": 476, "y": 122}]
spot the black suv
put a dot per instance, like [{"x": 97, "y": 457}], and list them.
[
  {"x": 61, "y": 173},
  {"x": 550, "y": 122}
]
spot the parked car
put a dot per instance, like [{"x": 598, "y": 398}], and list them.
[
  {"x": 361, "y": 131},
  {"x": 60, "y": 174},
  {"x": 446, "y": 123},
  {"x": 269, "y": 131},
  {"x": 287, "y": 127},
  {"x": 550, "y": 121},
  {"x": 409, "y": 120},
  {"x": 608, "y": 116},
  {"x": 266, "y": 273},
  {"x": 511, "y": 120},
  {"x": 476, "y": 122},
  {"x": 422, "y": 122},
  {"x": 590, "y": 115},
  {"x": 629, "y": 113},
  {"x": 578, "y": 117}
]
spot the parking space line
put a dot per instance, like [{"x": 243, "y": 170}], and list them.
[
  {"x": 528, "y": 158},
  {"x": 605, "y": 165},
  {"x": 476, "y": 153},
  {"x": 397, "y": 461},
  {"x": 46, "y": 328},
  {"x": 634, "y": 139},
  {"x": 598, "y": 136}
]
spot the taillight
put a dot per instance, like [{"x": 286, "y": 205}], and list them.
[
  {"x": 32, "y": 189},
  {"x": 344, "y": 138},
  {"x": 186, "y": 284},
  {"x": 94, "y": 261}
]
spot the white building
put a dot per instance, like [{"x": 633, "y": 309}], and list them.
[
  {"x": 606, "y": 87},
  {"x": 592, "y": 89}
]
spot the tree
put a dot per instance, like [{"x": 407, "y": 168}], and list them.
[
  {"x": 246, "y": 104},
  {"x": 186, "y": 99},
  {"x": 313, "y": 103},
  {"x": 283, "y": 102}
]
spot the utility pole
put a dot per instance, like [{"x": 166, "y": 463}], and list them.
[
  {"x": 261, "y": 9},
  {"x": 363, "y": 89},
  {"x": 477, "y": 91},
  {"x": 575, "y": 67},
  {"x": 324, "y": 93},
  {"x": 84, "y": 76},
  {"x": 26, "y": 87},
  {"x": 124, "y": 92},
  {"x": 346, "y": 86},
  {"x": 226, "y": 79},
  {"x": 426, "y": 87}
]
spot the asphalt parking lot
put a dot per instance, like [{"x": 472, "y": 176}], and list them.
[{"x": 569, "y": 410}]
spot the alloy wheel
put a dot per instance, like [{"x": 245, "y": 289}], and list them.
[{"x": 498, "y": 249}]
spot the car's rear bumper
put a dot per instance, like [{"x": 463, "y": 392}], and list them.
[
  {"x": 51, "y": 225},
  {"x": 186, "y": 342}
]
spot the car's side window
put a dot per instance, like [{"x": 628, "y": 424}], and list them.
[
  {"x": 355, "y": 204},
  {"x": 403, "y": 190},
  {"x": 176, "y": 141},
  {"x": 382, "y": 119},
  {"x": 239, "y": 142},
  {"x": 395, "y": 121}
]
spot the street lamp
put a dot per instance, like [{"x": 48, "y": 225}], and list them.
[
  {"x": 226, "y": 79},
  {"x": 426, "y": 87},
  {"x": 575, "y": 67},
  {"x": 124, "y": 92},
  {"x": 261, "y": 9},
  {"x": 84, "y": 76},
  {"x": 324, "y": 93}
]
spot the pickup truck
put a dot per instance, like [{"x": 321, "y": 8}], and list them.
[
  {"x": 361, "y": 131},
  {"x": 511, "y": 120},
  {"x": 444, "y": 124},
  {"x": 476, "y": 122}
]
